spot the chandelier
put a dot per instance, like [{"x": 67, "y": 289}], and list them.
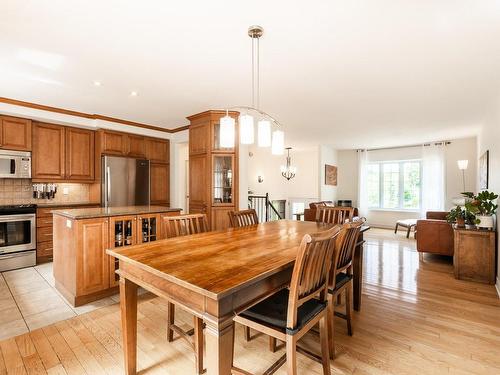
[
  {"x": 269, "y": 130},
  {"x": 288, "y": 171}
]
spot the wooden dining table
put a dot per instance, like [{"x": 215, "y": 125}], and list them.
[{"x": 214, "y": 276}]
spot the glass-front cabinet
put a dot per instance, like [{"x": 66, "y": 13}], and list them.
[
  {"x": 216, "y": 139},
  {"x": 222, "y": 180},
  {"x": 148, "y": 227},
  {"x": 122, "y": 230}
]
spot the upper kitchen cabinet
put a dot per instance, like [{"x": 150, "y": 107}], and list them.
[
  {"x": 113, "y": 143},
  {"x": 48, "y": 152},
  {"x": 15, "y": 133},
  {"x": 158, "y": 150},
  {"x": 61, "y": 153},
  {"x": 136, "y": 146},
  {"x": 79, "y": 154},
  {"x": 160, "y": 185}
]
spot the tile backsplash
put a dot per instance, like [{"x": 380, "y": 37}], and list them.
[{"x": 20, "y": 191}]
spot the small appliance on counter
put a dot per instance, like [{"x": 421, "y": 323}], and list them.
[
  {"x": 15, "y": 164},
  {"x": 17, "y": 236}
]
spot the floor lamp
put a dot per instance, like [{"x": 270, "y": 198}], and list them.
[{"x": 462, "y": 165}]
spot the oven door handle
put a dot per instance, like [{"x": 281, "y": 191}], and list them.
[
  {"x": 11, "y": 218},
  {"x": 10, "y": 256}
]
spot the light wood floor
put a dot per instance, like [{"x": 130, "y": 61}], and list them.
[{"x": 415, "y": 319}]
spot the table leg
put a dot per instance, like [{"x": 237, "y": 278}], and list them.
[
  {"x": 219, "y": 343},
  {"x": 128, "y": 308},
  {"x": 357, "y": 265}
]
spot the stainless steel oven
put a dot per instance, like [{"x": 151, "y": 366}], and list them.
[
  {"x": 17, "y": 236},
  {"x": 15, "y": 164}
]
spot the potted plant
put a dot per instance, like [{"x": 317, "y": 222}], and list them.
[
  {"x": 457, "y": 215},
  {"x": 483, "y": 207}
]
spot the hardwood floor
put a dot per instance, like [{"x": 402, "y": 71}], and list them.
[{"x": 415, "y": 319}]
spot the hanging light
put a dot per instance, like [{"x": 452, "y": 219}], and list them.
[
  {"x": 278, "y": 142},
  {"x": 227, "y": 124},
  {"x": 287, "y": 170},
  {"x": 246, "y": 130},
  {"x": 264, "y": 133}
]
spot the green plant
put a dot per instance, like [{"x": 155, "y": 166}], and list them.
[
  {"x": 481, "y": 204},
  {"x": 456, "y": 214}
]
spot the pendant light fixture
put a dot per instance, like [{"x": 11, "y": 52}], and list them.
[
  {"x": 269, "y": 131},
  {"x": 288, "y": 171}
]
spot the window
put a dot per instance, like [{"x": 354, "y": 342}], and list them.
[{"x": 394, "y": 185}]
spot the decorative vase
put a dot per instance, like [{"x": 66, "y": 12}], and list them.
[{"x": 485, "y": 221}]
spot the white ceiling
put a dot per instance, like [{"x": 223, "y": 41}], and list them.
[{"x": 346, "y": 73}]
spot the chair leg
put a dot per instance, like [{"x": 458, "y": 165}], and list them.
[
  {"x": 272, "y": 344},
  {"x": 323, "y": 336},
  {"x": 198, "y": 344},
  {"x": 170, "y": 321},
  {"x": 339, "y": 299},
  {"x": 408, "y": 232},
  {"x": 348, "y": 300},
  {"x": 331, "y": 325},
  {"x": 247, "y": 333},
  {"x": 396, "y": 229},
  {"x": 291, "y": 355}
]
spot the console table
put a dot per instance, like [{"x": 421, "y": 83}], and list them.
[{"x": 474, "y": 257}]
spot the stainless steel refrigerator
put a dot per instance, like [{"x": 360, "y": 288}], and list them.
[{"x": 125, "y": 182}]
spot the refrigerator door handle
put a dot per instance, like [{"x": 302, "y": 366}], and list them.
[{"x": 108, "y": 185}]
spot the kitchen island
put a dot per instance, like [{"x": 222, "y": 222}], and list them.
[{"x": 83, "y": 271}]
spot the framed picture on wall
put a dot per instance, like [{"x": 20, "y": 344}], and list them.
[
  {"x": 484, "y": 165},
  {"x": 330, "y": 175}
]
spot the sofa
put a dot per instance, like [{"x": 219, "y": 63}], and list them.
[{"x": 435, "y": 234}]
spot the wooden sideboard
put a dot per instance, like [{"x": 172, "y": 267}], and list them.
[{"x": 474, "y": 257}]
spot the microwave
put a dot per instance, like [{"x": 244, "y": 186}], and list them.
[{"x": 15, "y": 164}]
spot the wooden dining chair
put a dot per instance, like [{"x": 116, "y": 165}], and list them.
[
  {"x": 243, "y": 218},
  {"x": 290, "y": 313},
  {"x": 176, "y": 226},
  {"x": 334, "y": 215},
  {"x": 341, "y": 278}
]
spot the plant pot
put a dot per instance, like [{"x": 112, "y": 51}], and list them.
[
  {"x": 485, "y": 221},
  {"x": 460, "y": 223},
  {"x": 470, "y": 226}
]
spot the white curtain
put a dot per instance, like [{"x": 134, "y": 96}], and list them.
[
  {"x": 362, "y": 188},
  {"x": 433, "y": 177}
]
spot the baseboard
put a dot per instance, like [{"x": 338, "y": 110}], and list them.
[{"x": 497, "y": 286}]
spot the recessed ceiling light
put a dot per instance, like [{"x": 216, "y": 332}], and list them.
[
  {"x": 133, "y": 93},
  {"x": 97, "y": 83}
]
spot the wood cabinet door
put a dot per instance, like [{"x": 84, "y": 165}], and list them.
[
  {"x": 199, "y": 189},
  {"x": 114, "y": 143},
  {"x": 136, "y": 146},
  {"x": 199, "y": 138},
  {"x": 16, "y": 134},
  {"x": 220, "y": 218},
  {"x": 93, "y": 265},
  {"x": 48, "y": 152},
  {"x": 80, "y": 156},
  {"x": 160, "y": 183},
  {"x": 158, "y": 150}
]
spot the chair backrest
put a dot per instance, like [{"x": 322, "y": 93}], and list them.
[
  {"x": 334, "y": 215},
  {"x": 344, "y": 246},
  {"x": 243, "y": 218},
  {"x": 184, "y": 225},
  {"x": 311, "y": 271}
]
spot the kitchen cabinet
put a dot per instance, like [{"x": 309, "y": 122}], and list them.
[
  {"x": 48, "y": 152},
  {"x": 62, "y": 153},
  {"x": 158, "y": 150},
  {"x": 79, "y": 155},
  {"x": 148, "y": 228},
  {"x": 114, "y": 143},
  {"x": 136, "y": 146},
  {"x": 122, "y": 233},
  {"x": 213, "y": 170},
  {"x": 160, "y": 186},
  {"x": 15, "y": 133}
]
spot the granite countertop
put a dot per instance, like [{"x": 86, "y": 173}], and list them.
[
  {"x": 89, "y": 213},
  {"x": 69, "y": 204}
]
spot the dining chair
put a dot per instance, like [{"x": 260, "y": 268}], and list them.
[
  {"x": 341, "y": 278},
  {"x": 243, "y": 218},
  {"x": 334, "y": 215},
  {"x": 176, "y": 226},
  {"x": 291, "y": 312}
]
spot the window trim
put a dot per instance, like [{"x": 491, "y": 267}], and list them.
[{"x": 400, "y": 207}]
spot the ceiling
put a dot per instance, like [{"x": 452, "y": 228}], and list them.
[{"x": 346, "y": 73}]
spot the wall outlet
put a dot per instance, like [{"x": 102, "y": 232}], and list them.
[
  {"x": 68, "y": 223},
  {"x": 66, "y": 191}
]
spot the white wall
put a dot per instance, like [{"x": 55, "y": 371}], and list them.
[
  {"x": 179, "y": 154},
  {"x": 459, "y": 149},
  {"x": 303, "y": 185},
  {"x": 326, "y": 155},
  {"x": 489, "y": 139}
]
